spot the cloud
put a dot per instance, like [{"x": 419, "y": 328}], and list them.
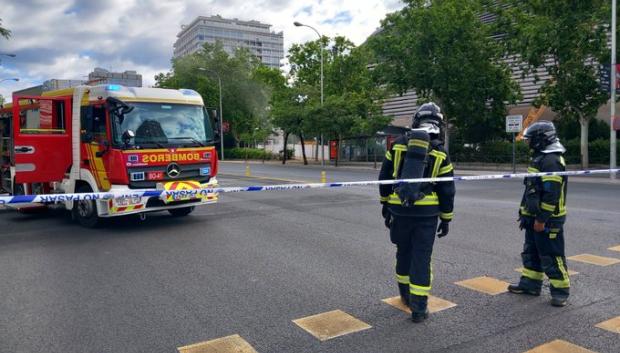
[{"x": 71, "y": 37}]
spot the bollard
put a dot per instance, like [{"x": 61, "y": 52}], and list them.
[
  {"x": 247, "y": 170},
  {"x": 323, "y": 177}
]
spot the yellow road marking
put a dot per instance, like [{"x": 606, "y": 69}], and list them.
[
  {"x": 615, "y": 248},
  {"x": 570, "y": 272},
  {"x": 435, "y": 304},
  {"x": 228, "y": 344},
  {"x": 612, "y": 325},
  {"x": 484, "y": 284},
  {"x": 595, "y": 260},
  {"x": 559, "y": 346},
  {"x": 331, "y": 324}
]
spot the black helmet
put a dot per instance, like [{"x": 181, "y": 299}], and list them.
[
  {"x": 428, "y": 117},
  {"x": 540, "y": 135}
]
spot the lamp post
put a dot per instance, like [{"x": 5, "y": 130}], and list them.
[
  {"x": 298, "y": 24},
  {"x": 219, "y": 82},
  {"x": 612, "y": 134}
]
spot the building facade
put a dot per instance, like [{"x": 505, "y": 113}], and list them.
[
  {"x": 127, "y": 78},
  {"x": 255, "y": 36}
]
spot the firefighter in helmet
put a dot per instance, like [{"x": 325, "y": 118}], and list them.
[
  {"x": 413, "y": 210},
  {"x": 542, "y": 215}
]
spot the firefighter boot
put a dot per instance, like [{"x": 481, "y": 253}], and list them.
[
  {"x": 518, "y": 289},
  {"x": 404, "y": 293},
  {"x": 559, "y": 301},
  {"x": 419, "y": 308}
]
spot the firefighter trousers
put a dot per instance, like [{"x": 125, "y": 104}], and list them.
[
  {"x": 543, "y": 253},
  {"x": 414, "y": 238}
]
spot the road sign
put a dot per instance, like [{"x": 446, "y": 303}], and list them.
[
  {"x": 514, "y": 123},
  {"x": 605, "y": 77}
]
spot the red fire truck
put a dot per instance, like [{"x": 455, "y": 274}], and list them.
[{"x": 109, "y": 138}]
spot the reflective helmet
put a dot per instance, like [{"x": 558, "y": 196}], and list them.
[
  {"x": 540, "y": 135},
  {"x": 428, "y": 117}
]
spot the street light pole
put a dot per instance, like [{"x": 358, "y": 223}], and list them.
[
  {"x": 612, "y": 134},
  {"x": 9, "y": 79},
  {"x": 298, "y": 24},
  {"x": 219, "y": 82}
]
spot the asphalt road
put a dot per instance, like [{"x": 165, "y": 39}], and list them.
[{"x": 254, "y": 262}]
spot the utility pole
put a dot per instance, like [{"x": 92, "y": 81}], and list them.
[{"x": 612, "y": 136}]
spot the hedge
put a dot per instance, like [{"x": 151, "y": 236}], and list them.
[
  {"x": 501, "y": 152},
  {"x": 249, "y": 153}
]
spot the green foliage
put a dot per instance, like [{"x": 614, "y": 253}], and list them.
[
  {"x": 497, "y": 151},
  {"x": 248, "y": 153},
  {"x": 501, "y": 152},
  {"x": 599, "y": 151},
  {"x": 445, "y": 53},
  {"x": 352, "y": 104},
  {"x": 245, "y": 93},
  {"x": 568, "y": 129},
  {"x": 572, "y": 34},
  {"x": 4, "y": 32}
]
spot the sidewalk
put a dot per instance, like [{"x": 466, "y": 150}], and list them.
[{"x": 460, "y": 169}]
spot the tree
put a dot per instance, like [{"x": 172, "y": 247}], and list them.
[
  {"x": 567, "y": 38},
  {"x": 244, "y": 97},
  {"x": 352, "y": 105},
  {"x": 1, "y": 99},
  {"x": 4, "y": 32},
  {"x": 442, "y": 50}
]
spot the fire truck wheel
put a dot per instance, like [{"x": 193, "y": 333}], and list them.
[
  {"x": 181, "y": 212},
  {"x": 85, "y": 212}
]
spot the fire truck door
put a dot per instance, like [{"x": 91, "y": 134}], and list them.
[{"x": 42, "y": 138}]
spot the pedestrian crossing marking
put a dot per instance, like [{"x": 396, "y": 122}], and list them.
[
  {"x": 570, "y": 272},
  {"x": 435, "y": 304},
  {"x": 484, "y": 284},
  {"x": 331, "y": 324},
  {"x": 612, "y": 325},
  {"x": 228, "y": 344},
  {"x": 615, "y": 248},
  {"x": 559, "y": 346},
  {"x": 595, "y": 259}
]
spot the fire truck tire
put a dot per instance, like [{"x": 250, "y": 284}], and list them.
[
  {"x": 181, "y": 212},
  {"x": 85, "y": 212}
]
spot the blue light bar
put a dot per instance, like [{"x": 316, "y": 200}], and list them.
[
  {"x": 113, "y": 88},
  {"x": 188, "y": 92}
]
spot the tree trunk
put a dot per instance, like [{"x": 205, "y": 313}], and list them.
[
  {"x": 585, "y": 126},
  {"x": 316, "y": 150},
  {"x": 285, "y": 152},
  {"x": 337, "y": 151},
  {"x": 303, "y": 148}
]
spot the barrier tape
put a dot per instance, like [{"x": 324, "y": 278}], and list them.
[{"x": 184, "y": 194}]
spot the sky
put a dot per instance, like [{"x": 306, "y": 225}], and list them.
[{"x": 67, "y": 39}]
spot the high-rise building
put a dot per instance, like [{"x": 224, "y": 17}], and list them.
[{"x": 266, "y": 45}]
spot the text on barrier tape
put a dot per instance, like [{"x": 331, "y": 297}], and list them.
[{"x": 24, "y": 199}]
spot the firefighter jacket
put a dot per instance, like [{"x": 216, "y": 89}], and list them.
[
  {"x": 439, "y": 197},
  {"x": 545, "y": 197}
]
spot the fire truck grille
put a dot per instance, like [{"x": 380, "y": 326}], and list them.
[{"x": 188, "y": 172}]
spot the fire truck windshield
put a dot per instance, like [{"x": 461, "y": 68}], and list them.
[{"x": 164, "y": 125}]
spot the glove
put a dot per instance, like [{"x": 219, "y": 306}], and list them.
[
  {"x": 443, "y": 229},
  {"x": 387, "y": 216},
  {"x": 522, "y": 223}
]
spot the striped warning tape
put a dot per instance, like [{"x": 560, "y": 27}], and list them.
[{"x": 185, "y": 194}]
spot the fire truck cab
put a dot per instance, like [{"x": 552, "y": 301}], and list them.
[{"x": 109, "y": 138}]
